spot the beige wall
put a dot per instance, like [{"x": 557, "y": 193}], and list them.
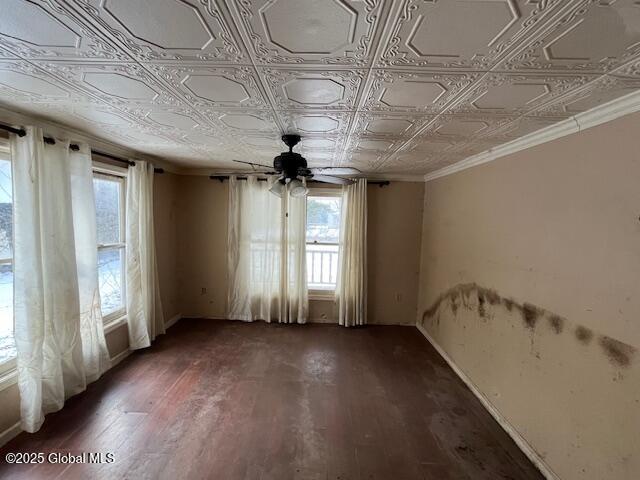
[
  {"x": 165, "y": 207},
  {"x": 529, "y": 281},
  {"x": 394, "y": 221},
  {"x": 202, "y": 246}
]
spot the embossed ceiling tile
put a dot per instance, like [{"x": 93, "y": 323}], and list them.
[
  {"x": 409, "y": 162},
  {"x": 379, "y": 145},
  {"x": 47, "y": 30},
  {"x": 388, "y": 125},
  {"x": 6, "y": 54},
  {"x": 312, "y": 122},
  {"x": 30, "y": 83},
  {"x": 89, "y": 115},
  {"x": 266, "y": 143},
  {"x": 152, "y": 30},
  {"x": 459, "y": 34},
  {"x": 512, "y": 94},
  {"x": 218, "y": 87},
  {"x": 366, "y": 161},
  {"x": 309, "y": 31},
  {"x": 175, "y": 119},
  {"x": 468, "y": 126},
  {"x": 244, "y": 121},
  {"x": 594, "y": 36},
  {"x": 123, "y": 84},
  {"x": 317, "y": 89},
  {"x": 397, "y": 91},
  {"x": 598, "y": 92},
  {"x": 520, "y": 127},
  {"x": 320, "y": 143}
]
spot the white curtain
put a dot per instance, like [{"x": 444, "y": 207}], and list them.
[
  {"x": 94, "y": 345},
  {"x": 351, "y": 290},
  {"x": 144, "y": 307},
  {"x": 267, "y": 264},
  {"x": 58, "y": 327}
]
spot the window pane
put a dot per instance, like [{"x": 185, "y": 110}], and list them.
[
  {"x": 110, "y": 275},
  {"x": 6, "y": 210},
  {"x": 107, "y": 209},
  {"x": 323, "y": 219},
  {"x": 7, "y": 345}
]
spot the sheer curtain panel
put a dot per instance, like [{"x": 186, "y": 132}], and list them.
[
  {"x": 144, "y": 307},
  {"x": 58, "y": 327},
  {"x": 351, "y": 289},
  {"x": 267, "y": 264}
]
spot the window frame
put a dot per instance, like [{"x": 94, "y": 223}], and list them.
[
  {"x": 8, "y": 366},
  {"x": 119, "y": 174},
  {"x": 324, "y": 293}
]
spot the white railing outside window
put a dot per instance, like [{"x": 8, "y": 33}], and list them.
[{"x": 322, "y": 266}]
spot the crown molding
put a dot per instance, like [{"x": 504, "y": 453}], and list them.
[{"x": 606, "y": 112}]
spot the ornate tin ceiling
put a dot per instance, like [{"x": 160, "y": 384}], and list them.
[{"x": 391, "y": 87}]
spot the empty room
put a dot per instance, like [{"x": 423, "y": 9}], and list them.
[{"x": 320, "y": 239}]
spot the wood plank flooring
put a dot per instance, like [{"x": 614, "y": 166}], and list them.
[{"x": 231, "y": 400}]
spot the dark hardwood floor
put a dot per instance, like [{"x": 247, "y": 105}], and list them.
[{"x": 232, "y": 400}]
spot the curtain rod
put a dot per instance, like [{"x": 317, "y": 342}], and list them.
[
  {"x": 222, "y": 178},
  {"x": 21, "y": 132}
]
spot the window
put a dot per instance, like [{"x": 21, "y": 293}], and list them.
[
  {"x": 323, "y": 238},
  {"x": 7, "y": 345},
  {"x": 109, "y": 191}
]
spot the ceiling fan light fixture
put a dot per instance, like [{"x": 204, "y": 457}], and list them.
[
  {"x": 297, "y": 188},
  {"x": 277, "y": 188}
]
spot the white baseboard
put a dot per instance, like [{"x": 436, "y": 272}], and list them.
[
  {"x": 527, "y": 449},
  {"x": 115, "y": 360},
  {"x": 10, "y": 433},
  {"x": 172, "y": 321}
]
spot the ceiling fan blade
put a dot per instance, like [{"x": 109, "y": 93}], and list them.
[
  {"x": 330, "y": 179},
  {"x": 336, "y": 170},
  {"x": 254, "y": 165}
]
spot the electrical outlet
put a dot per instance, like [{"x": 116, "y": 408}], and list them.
[
  {"x": 203, "y": 291},
  {"x": 398, "y": 297}
]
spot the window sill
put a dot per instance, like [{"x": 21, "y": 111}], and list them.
[
  {"x": 8, "y": 378},
  {"x": 324, "y": 295},
  {"x": 112, "y": 325}
]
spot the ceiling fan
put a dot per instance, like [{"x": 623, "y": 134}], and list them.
[{"x": 290, "y": 166}]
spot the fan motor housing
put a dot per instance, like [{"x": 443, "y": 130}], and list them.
[{"x": 290, "y": 163}]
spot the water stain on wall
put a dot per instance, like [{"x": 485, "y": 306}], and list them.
[
  {"x": 530, "y": 314},
  {"x": 583, "y": 334},
  {"x": 557, "y": 323},
  {"x": 474, "y": 297},
  {"x": 618, "y": 353}
]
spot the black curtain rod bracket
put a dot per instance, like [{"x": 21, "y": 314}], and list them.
[{"x": 21, "y": 132}]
